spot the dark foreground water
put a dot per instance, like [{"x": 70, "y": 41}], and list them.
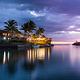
[{"x": 61, "y": 62}]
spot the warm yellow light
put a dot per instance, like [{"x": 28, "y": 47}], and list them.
[
  {"x": 4, "y": 58},
  {"x": 61, "y": 42},
  {"x": 38, "y": 54},
  {"x": 8, "y": 56},
  {"x": 48, "y": 53},
  {"x": 41, "y": 54}
]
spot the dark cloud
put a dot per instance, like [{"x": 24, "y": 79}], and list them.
[
  {"x": 53, "y": 15},
  {"x": 62, "y": 6}
]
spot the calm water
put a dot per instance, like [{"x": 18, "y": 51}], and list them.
[{"x": 61, "y": 62}]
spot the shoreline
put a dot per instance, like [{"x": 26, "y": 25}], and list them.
[{"x": 16, "y": 46}]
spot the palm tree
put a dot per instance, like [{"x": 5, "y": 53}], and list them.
[
  {"x": 25, "y": 27},
  {"x": 11, "y": 26},
  {"x": 40, "y": 31},
  {"x": 31, "y": 27},
  {"x": 17, "y": 33},
  {"x": 43, "y": 36}
]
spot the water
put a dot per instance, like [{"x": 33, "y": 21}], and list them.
[{"x": 61, "y": 62}]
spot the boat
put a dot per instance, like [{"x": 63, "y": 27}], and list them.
[{"x": 35, "y": 46}]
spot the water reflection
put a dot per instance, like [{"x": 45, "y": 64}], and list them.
[
  {"x": 23, "y": 60},
  {"x": 5, "y": 57},
  {"x": 31, "y": 55},
  {"x": 38, "y": 54},
  {"x": 61, "y": 62},
  {"x": 75, "y": 55}
]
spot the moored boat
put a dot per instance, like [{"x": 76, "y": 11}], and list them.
[{"x": 35, "y": 46}]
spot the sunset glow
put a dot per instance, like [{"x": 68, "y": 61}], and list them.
[{"x": 53, "y": 42}]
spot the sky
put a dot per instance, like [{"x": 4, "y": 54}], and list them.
[{"x": 59, "y": 18}]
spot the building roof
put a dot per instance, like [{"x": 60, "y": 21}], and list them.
[{"x": 3, "y": 31}]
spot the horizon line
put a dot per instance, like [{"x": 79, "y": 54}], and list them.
[{"x": 60, "y": 42}]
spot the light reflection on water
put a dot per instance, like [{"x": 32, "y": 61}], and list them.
[
  {"x": 61, "y": 62},
  {"x": 20, "y": 64},
  {"x": 75, "y": 55},
  {"x": 31, "y": 55}
]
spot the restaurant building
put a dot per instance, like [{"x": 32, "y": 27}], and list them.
[{"x": 5, "y": 33}]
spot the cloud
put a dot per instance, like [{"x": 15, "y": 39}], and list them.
[
  {"x": 70, "y": 27},
  {"x": 65, "y": 36},
  {"x": 59, "y": 18},
  {"x": 78, "y": 29},
  {"x": 63, "y": 6},
  {"x": 36, "y": 14}
]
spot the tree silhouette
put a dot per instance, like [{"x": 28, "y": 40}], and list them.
[
  {"x": 11, "y": 26},
  {"x": 25, "y": 28},
  {"x": 31, "y": 27},
  {"x": 40, "y": 31}
]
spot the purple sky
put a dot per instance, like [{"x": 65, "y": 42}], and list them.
[{"x": 60, "y": 18}]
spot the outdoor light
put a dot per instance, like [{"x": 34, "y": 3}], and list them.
[
  {"x": 4, "y": 38},
  {"x": 8, "y": 38}
]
